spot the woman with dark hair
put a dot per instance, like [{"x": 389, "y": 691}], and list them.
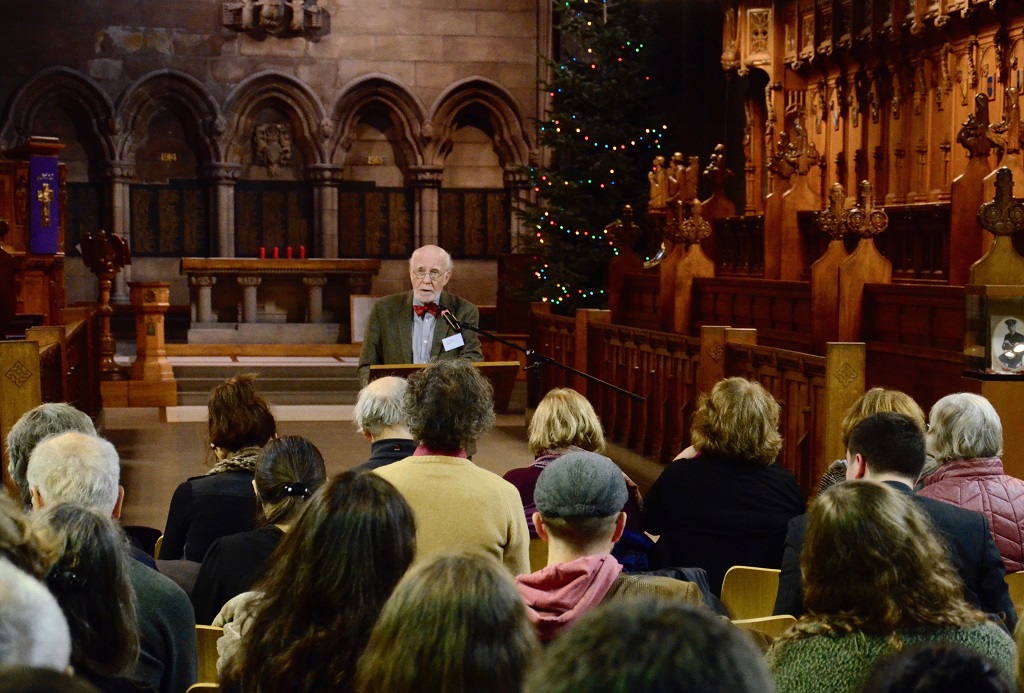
[
  {"x": 307, "y": 621},
  {"x": 455, "y": 624},
  {"x": 877, "y": 578},
  {"x": 91, "y": 583},
  {"x": 222, "y": 501},
  {"x": 289, "y": 471},
  {"x": 730, "y": 504}
]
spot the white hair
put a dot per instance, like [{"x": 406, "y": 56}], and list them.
[
  {"x": 33, "y": 630},
  {"x": 76, "y": 468},
  {"x": 34, "y": 425},
  {"x": 963, "y": 426},
  {"x": 448, "y": 264},
  {"x": 379, "y": 405}
]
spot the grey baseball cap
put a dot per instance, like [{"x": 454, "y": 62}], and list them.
[{"x": 580, "y": 484}]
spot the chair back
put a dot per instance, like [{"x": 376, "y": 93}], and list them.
[
  {"x": 197, "y": 687},
  {"x": 159, "y": 545},
  {"x": 750, "y": 592},
  {"x": 1015, "y": 581},
  {"x": 538, "y": 554},
  {"x": 765, "y": 630},
  {"x": 206, "y": 642}
]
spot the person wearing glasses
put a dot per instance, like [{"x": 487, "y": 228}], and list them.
[{"x": 408, "y": 327}]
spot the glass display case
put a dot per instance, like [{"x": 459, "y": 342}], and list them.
[{"x": 994, "y": 339}]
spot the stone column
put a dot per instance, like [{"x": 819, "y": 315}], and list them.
[
  {"x": 204, "y": 297},
  {"x": 249, "y": 302},
  {"x": 324, "y": 178},
  {"x": 222, "y": 177},
  {"x": 120, "y": 174},
  {"x": 518, "y": 185},
  {"x": 427, "y": 182},
  {"x": 315, "y": 288}
]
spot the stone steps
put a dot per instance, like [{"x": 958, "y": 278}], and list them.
[{"x": 303, "y": 383}]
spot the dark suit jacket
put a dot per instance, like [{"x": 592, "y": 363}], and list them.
[
  {"x": 388, "y": 337},
  {"x": 974, "y": 555}
]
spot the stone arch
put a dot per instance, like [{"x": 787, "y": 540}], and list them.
[
  {"x": 186, "y": 98},
  {"x": 73, "y": 91},
  {"x": 396, "y": 103},
  {"x": 488, "y": 100},
  {"x": 294, "y": 100}
]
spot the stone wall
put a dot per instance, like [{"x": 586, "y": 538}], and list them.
[{"x": 415, "y": 94}]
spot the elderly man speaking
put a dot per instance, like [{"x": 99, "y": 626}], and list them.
[{"x": 408, "y": 328}]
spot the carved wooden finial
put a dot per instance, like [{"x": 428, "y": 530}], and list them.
[
  {"x": 695, "y": 228},
  {"x": 975, "y": 134},
  {"x": 624, "y": 232},
  {"x": 864, "y": 220},
  {"x": 1004, "y": 215},
  {"x": 832, "y": 219}
]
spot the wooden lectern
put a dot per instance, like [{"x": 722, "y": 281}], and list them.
[{"x": 501, "y": 374}]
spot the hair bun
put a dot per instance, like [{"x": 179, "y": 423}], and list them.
[{"x": 296, "y": 488}]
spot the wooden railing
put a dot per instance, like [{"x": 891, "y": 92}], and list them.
[
  {"x": 780, "y": 311},
  {"x": 58, "y": 363},
  {"x": 670, "y": 371}
]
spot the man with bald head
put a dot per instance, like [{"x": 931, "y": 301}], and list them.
[{"x": 408, "y": 327}]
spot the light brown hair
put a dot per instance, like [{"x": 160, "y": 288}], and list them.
[
  {"x": 565, "y": 418},
  {"x": 872, "y": 562},
  {"x": 879, "y": 399},
  {"x": 738, "y": 420}
]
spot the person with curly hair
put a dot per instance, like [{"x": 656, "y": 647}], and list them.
[
  {"x": 458, "y": 506},
  {"x": 455, "y": 624},
  {"x": 729, "y": 504},
  {"x": 305, "y": 624},
  {"x": 222, "y": 501},
  {"x": 877, "y": 579}
]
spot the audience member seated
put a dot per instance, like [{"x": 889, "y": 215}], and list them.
[
  {"x": 730, "y": 504},
  {"x": 20, "y": 544},
  {"x": 33, "y": 630},
  {"x": 458, "y": 505},
  {"x": 871, "y": 402},
  {"x": 877, "y": 578},
  {"x": 455, "y": 624},
  {"x": 90, "y": 581},
  {"x": 889, "y": 447},
  {"x": 307, "y": 621},
  {"x": 938, "y": 668},
  {"x": 379, "y": 417},
  {"x": 84, "y": 470},
  {"x": 965, "y": 439},
  {"x": 565, "y": 422},
  {"x": 288, "y": 471},
  {"x": 40, "y": 680},
  {"x": 222, "y": 501},
  {"x": 655, "y": 645},
  {"x": 579, "y": 499},
  {"x": 34, "y": 425}
]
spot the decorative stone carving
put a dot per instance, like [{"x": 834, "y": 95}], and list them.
[
  {"x": 284, "y": 18},
  {"x": 272, "y": 146}
]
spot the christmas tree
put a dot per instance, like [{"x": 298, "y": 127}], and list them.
[{"x": 601, "y": 133}]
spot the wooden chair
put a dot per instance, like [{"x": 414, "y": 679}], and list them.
[
  {"x": 538, "y": 554},
  {"x": 1015, "y": 581},
  {"x": 750, "y": 592},
  {"x": 766, "y": 629},
  {"x": 206, "y": 641},
  {"x": 159, "y": 545},
  {"x": 203, "y": 687}
]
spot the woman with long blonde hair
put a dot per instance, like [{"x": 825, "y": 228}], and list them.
[{"x": 877, "y": 579}]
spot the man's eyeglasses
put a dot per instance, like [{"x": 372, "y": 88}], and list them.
[{"x": 435, "y": 274}]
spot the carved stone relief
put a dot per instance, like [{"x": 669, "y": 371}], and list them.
[
  {"x": 276, "y": 17},
  {"x": 272, "y": 146}
]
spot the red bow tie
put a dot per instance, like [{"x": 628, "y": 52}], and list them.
[{"x": 431, "y": 308}]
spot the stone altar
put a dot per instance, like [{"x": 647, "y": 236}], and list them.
[{"x": 284, "y": 301}]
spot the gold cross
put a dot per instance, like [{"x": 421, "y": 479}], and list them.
[{"x": 45, "y": 197}]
